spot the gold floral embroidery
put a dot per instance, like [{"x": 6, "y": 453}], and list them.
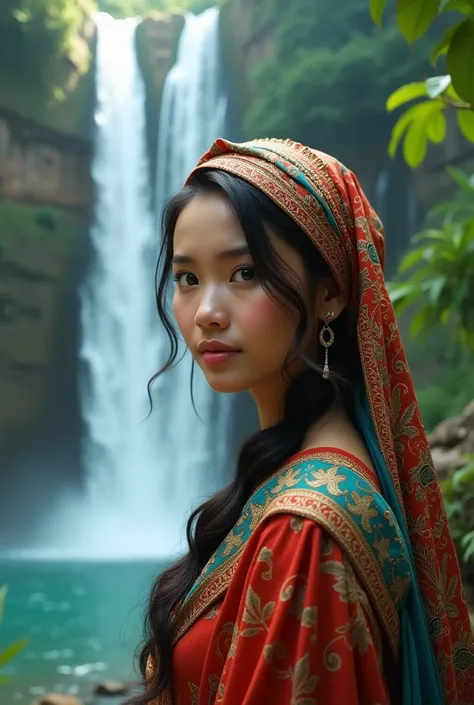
[
  {"x": 220, "y": 693},
  {"x": 276, "y": 650},
  {"x": 233, "y": 642},
  {"x": 327, "y": 545},
  {"x": 362, "y": 506},
  {"x": 346, "y": 584},
  {"x": 213, "y": 682},
  {"x": 223, "y": 640},
  {"x": 194, "y": 689},
  {"x": 399, "y": 587},
  {"x": 266, "y": 556},
  {"x": 382, "y": 546},
  {"x": 296, "y": 524},
  {"x": 255, "y": 614},
  {"x": 330, "y": 478},
  {"x": 303, "y": 683},
  {"x": 232, "y": 540},
  {"x": 213, "y": 612},
  {"x": 309, "y": 616},
  {"x": 286, "y": 479},
  {"x": 288, "y": 587},
  {"x": 354, "y": 634}
]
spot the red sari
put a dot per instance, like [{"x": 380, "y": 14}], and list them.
[
  {"x": 328, "y": 643},
  {"x": 295, "y": 626},
  {"x": 288, "y": 619}
]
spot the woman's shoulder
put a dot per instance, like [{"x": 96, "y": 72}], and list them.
[{"x": 327, "y": 461}]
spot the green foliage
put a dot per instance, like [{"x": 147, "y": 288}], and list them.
[
  {"x": 132, "y": 8},
  {"x": 426, "y": 122},
  {"x": 458, "y": 495},
  {"x": 44, "y": 60},
  {"x": 36, "y": 34},
  {"x": 451, "y": 387},
  {"x": 329, "y": 74},
  {"x": 49, "y": 224},
  {"x": 441, "y": 266},
  {"x": 8, "y": 654}
]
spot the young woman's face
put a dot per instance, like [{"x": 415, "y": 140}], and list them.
[{"x": 239, "y": 336}]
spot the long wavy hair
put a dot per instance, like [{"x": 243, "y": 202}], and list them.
[{"x": 308, "y": 396}]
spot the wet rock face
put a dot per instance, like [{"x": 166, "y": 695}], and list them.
[
  {"x": 45, "y": 196},
  {"x": 38, "y": 165},
  {"x": 57, "y": 699},
  {"x": 452, "y": 440},
  {"x": 112, "y": 688}
]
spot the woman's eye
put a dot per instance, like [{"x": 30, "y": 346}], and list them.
[
  {"x": 185, "y": 279},
  {"x": 243, "y": 274}
]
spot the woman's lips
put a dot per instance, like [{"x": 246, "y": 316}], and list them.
[{"x": 218, "y": 357}]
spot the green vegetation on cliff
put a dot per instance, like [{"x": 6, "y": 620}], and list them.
[
  {"x": 130, "y": 8},
  {"x": 44, "y": 59},
  {"x": 48, "y": 224},
  {"x": 329, "y": 74}
]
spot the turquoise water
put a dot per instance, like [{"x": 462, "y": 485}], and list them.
[{"x": 84, "y": 622}]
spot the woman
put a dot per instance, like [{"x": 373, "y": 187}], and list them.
[{"x": 325, "y": 573}]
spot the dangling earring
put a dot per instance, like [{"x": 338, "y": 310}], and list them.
[{"x": 326, "y": 343}]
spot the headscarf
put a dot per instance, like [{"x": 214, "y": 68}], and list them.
[{"x": 325, "y": 199}]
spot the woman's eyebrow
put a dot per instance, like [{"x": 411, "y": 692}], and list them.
[{"x": 232, "y": 253}]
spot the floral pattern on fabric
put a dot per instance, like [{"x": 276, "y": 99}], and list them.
[
  {"x": 325, "y": 199},
  {"x": 295, "y": 627}
]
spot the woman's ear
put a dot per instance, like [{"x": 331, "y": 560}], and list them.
[{"x": 329, "y": 298}]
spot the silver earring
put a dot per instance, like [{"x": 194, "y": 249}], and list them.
[{"x": 326, "y": 338}]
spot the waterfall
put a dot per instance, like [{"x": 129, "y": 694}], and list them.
[
  {"x": 143, "y": 473},
  {"x": 118, "y": 354},
  {"x": 192, "y": 117}
]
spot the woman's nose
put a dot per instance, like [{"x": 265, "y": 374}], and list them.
[{"x": 211, "y": 311}]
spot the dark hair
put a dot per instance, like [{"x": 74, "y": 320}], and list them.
[{"x": 307, "y": 398}]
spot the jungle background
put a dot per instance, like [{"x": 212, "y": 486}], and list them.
[{"x": 387, "y": 87}]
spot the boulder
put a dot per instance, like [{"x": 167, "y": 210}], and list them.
[
  {"x": 110, "y": 687},
  {"x": 448, "y": 433},
  {"x": 447, "y": 460},
  {"x": 57, "y": 699}
]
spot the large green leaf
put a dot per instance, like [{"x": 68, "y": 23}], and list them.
[
  {"x": 460, "y": 60},
  {"x": 464, "y": 6},
  {"x": 414, "y": 17},
  {"x": 442, "y": 46},
  {"x": 418, "y": 113},
  {"x": 376, "y": 10},
  {"x": 402, "y": 95},
  {"x": 415, "y": 145},
  {"x": 463, "y": 180},
  {"x": 436, "y": 127},
  {"x": 436, "y": 289},
  {"x": 466, "y": 123},
  {"x": 411, "y": 259},
  {"x": 11, "y": 651}
]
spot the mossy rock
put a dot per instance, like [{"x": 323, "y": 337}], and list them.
[
  {"x": 157, "y": 40},
  {"x": 56, "y": 228},
  {"x": 63, "y": 101}
]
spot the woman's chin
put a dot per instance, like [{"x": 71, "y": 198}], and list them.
[{"x": 226, "y": 385}]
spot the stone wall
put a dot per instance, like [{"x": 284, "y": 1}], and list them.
[
  {"x": 45, "y": 198},
  {"x": 38, "y": 165}
]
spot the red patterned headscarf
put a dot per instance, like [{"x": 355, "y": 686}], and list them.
[{"x": 325, "y": 199}]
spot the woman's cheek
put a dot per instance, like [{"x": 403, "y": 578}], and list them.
[
  {"x": 263, "y": 314},
  {"x": 184, "y": 317}
]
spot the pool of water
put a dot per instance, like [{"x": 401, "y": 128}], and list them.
[{"x": 83, "y": 622}]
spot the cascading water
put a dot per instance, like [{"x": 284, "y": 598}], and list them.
[
  {"x": 142, "y": 474},
  {"x": 192, "y": 117},
  {"x": 122, "y": 458}
]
